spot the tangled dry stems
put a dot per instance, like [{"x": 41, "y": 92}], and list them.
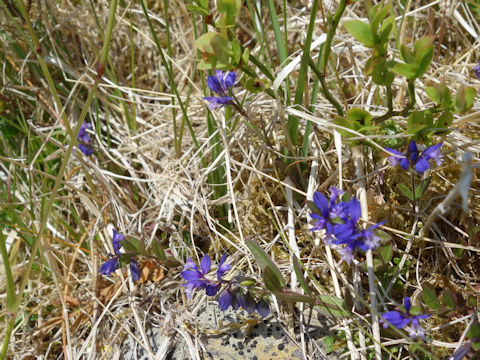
[{"x": 141, "y": 188}]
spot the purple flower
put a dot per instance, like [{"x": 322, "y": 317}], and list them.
[
  {"x": 109, "y": 266},
  {"x": 340, "y": 222},
  {"x": 113, "y": 263},
  {"x": 329, "y": 212},
  {"x": 87, "y": 151},
  {"x": 222, "y": 268},
  {"x": 134, "y": 269},
  {"x": 262, "y": 308},
  {"x": 412, "y": 157},
  {"x": 84, "y": 139},
  {"x": 116, "y": 239},
  {"x": 226, "y": 300},
  {"x": 477, "y": 70},
  {"x": 220, "y": 83},
  {"x": 403, "y": 319},
  {"x": 196, "y": 278},
  {"x": 83, "y": 135}
]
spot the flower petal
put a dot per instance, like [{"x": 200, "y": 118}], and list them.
[
  {"x": 109, "y": 266},
  {"x": 116, "y": 239},
  {"x": 205, "y": 264},
  {"x": 229, "y": 80},
  {"x": 87, "y": 151},
  {"x": 263, "y": 309},
  {"x": 212, "y": 289},
  {"x": 321, "y": 203},
  {"x": 407, "y": 304},
  {"x": 134, "y": 269},
  {"x": 225, "y": 300},
  {"x": 222, "y": 267},
  {"x": 422, "y": 165},
  {"x": 214, "y": 84},
  {"x": 191, "y": 275}
]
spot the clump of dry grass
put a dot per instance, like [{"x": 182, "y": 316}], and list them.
[{"x": 137, "y": 184}]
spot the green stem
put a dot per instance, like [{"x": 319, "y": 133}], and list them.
[
  {"x": 411, "y": 95},
  {"x": 326, "y": 92},
  {"x": 172, "y": 84},
  {"x": 6, "y": 340},
  {"x": 331, "y": 32},
  {"x": 302, "y": 76},
  {"x": 389, "y": 98}
]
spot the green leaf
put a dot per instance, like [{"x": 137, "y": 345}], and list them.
[
  {"x": 248, "y": 282},
  {"x": 422, "y": 187},
  {"x": 360, "y": 116},
  {"x": 448, "y": 299},
  {"x": 406, "y": 70},
  {"x": 415, "y": 128},
  {"x": 416, "y": 122},
  {"x": 197, "y": 10},
  {"x": 158, "y": 251},
  {"x": 386, "y": 29},
  {"x": 229, "y": 7},
  {"x": 329, "y": 343},
  {"x": 474, "y": 332},
  {"x": 379, "y": 16},
  {"x": 245, "y": 56},
  {"x": 341, "y": 121},
  {"x": 300, "y": 278},
  {"x": 293, "y": 296},
  {"x": 407, "y": 54},
  {"x": 236, "y": 52},
  {"x": 444, "y": 121},
  {"x": 464, "y": 99},
  {"x": 430, "y": 297},
  {"x": 132, "y": 245},
  {"x": 204, "y": 42},
  {"x": 423, "y": 54},
  {"x": 360, "y": 31},
  {"x": 264, "y": 261},
  {"x": 433, "y": 94},
  {"x": 124, "y": 259},
  {"x": 331, "y": 306},
  {"x": 439, "y": 94},
  {"x": 221, "y": 48},
  {"x": 272, "y": 281},
  {"x": 405, "y": 191},
  {"x": 9, "y": 283},
  {"x": 254, "y": 85},
  {"x": 386, "y": 252}
]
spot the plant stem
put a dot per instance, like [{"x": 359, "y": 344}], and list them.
[
  {"x": 362, "y": 189},
  {"x": 326, "y": 92},
  {"x": 389, "y": 98},
  {"x": 331, "y": 32},
  {"x": 302, "y": 75}
]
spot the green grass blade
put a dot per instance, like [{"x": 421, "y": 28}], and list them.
[{"x": 302, "y": 76}]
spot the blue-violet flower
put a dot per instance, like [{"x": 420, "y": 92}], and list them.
[
  {"x": 477, "y": 70},
  {"x": 84, "y": 139},
  {"x": 196, "y": 278},
  {"x": 412, "y": 157},
  {"x": 113, "y": 263},
  {"x": 220, "y": 83},
  {"x": 402, "y": 319}
]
